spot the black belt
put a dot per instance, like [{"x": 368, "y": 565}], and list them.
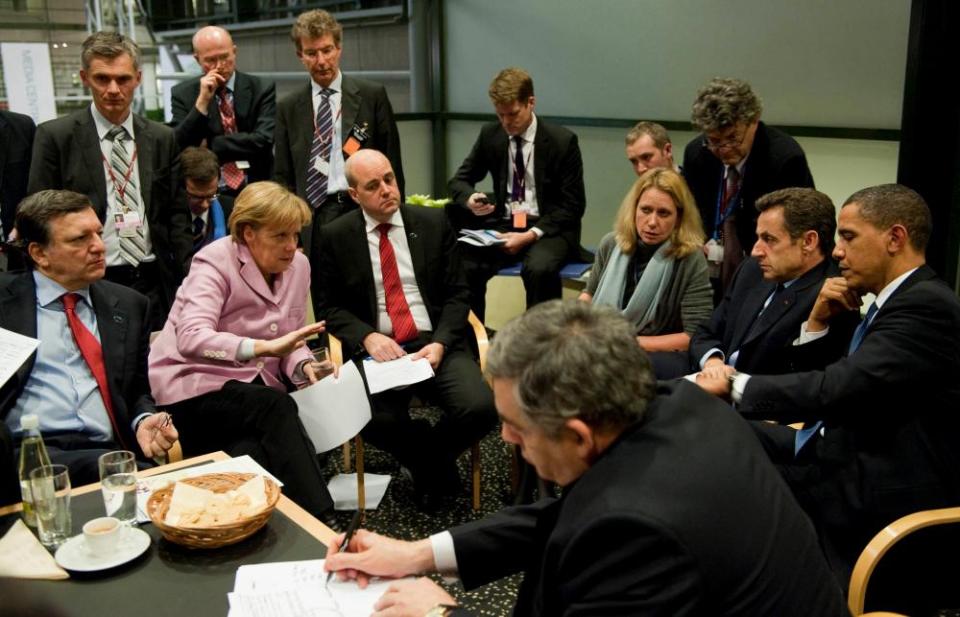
[
  {"x": 127, "y": 275},
  {"x": 340, "y": 197}
]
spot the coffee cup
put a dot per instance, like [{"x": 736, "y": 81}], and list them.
[{"x": 102, "y": 534}]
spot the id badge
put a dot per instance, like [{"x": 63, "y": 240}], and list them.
[
  {"x": 714, "y": 251},
  {"x": 519, "y": 210},
  {"x": 128, "y": 224},
  {"x": 242, "y": 164},
  {"x": 358, "y": 136},
  {"x": 321, "y": 165}
]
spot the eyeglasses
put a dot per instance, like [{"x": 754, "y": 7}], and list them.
[
  {"x": 200, "y": 198},
  {"x": 721, "y": 144}
]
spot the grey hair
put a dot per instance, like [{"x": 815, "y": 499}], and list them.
[
  {"x": 724, "y": 102},
  {"x": 571, "y": 359},
  {"x": 108, "y": 45},
  {"x": 37, "y": 211}
]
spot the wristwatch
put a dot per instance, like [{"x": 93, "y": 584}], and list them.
[{"x": 441, "y": 610}]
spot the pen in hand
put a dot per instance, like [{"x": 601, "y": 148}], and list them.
[{"x": 351, "y": 529}]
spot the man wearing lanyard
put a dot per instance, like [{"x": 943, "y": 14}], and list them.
[
  {"x": 209, "y": 210},
  {"x": 537, "y": 200},
  {"x": 735, "y": 160},
  {"x": 320, "y": 125},
  {"x": 128, "y": 167},
  {"x": 230, "y": 112}
]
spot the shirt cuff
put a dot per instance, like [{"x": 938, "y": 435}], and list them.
[
  {"x": 808, "y": 337},
  {"x": 537, "y": 231},
  {"x": 716, "y": 351},
  {"x": 738, "y": 386},
  {"x": 444, "y": 555},
  {"x": 245, "y": 350},
  {"x": 136, "y": 421}
]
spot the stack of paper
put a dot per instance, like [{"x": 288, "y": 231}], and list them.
[{"x": 480, "y": 237}]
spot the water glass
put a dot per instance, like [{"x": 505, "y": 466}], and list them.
[
  {"x": 118, "y": 483},
  {"x": 322, "y": 363},
  {"x": 50, "y": 486}
]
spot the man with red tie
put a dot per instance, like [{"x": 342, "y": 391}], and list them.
[
  {"x": 388, "y": 282},
  {"x": 230, "y": 112},
  {"x": 87, "y": 380}
]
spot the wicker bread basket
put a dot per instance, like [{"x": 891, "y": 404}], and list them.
[{"x": 213, "y": 536}]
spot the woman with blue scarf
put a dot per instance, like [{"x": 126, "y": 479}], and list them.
[{"x": 652, "y": 266}]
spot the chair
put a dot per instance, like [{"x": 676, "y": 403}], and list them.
[
  {"x": 892, "y": 535},
  {"x": 483, "y": 344}
]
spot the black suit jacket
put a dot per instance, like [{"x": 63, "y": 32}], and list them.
[
  {"x": 362, "y": 103},
  {"x": 776, "y": 161},
  {"x": 67, "y": 155},
  {"x": 890, "y": 411},
  {"x": 767, "y": 347},
  {"x": 683, "y": 515},
  {"x": 255, "y": 108},
  {"x": 122, "y": 320},
  {"x": 16, "y": 141},
  {"x": 343, "y": 285},
  {"x": 557, "y": 172}
]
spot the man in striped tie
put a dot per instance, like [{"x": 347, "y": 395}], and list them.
[
  {"x": 388, "y": 282},
  {"x": 127, "y": 166},
  {"x": 881, "y": 432}
]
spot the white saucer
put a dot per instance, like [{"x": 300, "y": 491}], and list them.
[{"x": 74, "y": 554}]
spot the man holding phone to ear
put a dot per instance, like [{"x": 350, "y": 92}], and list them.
[{"x": 538, "y": 197}]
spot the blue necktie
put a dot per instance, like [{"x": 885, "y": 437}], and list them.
[{"x": 804, "y": 434}]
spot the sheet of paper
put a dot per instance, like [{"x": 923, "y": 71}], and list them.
[
  {"x": 14, "y": 351},
  {"x": 396, "y": 373},
  {"x": 240, "y": 464},
  {"x": 343, "y": 489},
  {"x": 280, "y": 586},
  {"x": 22, "y": 556},
  {"x": 308, "y": 602},
  {"x": 334, "y": 409}
]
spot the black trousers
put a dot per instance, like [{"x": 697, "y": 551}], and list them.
[
  {"x": 251, "y": 418},
  {"x": 540, "y": 270},
  {"x": 148, "y": 280},
  {"x": 466, "y": 400},
  {"x": 334, "y": 207}
]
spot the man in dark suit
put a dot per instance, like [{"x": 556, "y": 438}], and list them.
[
  {"x": 880, "y": 439},
  {"x": 656, "y": 518},
  {"x": 537, "y": 200},
  {"x": 230, "y": 112},
  {"x": 16, "y": 142},
  {"x": 87, "y": 380},
  {"x": 324, "y": 123},
  {"x": 772, "y": 293},
  {"x": 387, "y": 281},
  {"x": 209, "y": 210},
  {"x": 735, "y": 160},
  {"x": 129, "y": 169}
]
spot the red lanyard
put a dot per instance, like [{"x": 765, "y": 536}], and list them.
[{"x": 121, "y": 188}]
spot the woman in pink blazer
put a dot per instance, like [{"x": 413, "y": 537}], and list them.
[{"x": 233, "y": 345}]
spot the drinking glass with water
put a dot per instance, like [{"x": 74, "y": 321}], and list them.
[
  {"x": 118, "y": 483},
  {"x": 50, "y": 488}
]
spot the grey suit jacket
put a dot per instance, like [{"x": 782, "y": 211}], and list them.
[
  {"x": 67, "y": 155},
  {"x": 124, "y": 334}
]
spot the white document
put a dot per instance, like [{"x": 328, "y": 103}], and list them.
[
  {"x": 395, "y": 373},
  {"x": 14, "y": 351},
  {"x": 334, "y": 409},
  {"x": 22, "y": 556},
  {"x": 240, "y": 464},
  {"x": 481, "y": 237},
  {"x": 299, "y": 588},
  {"x": 343, "y": 489}
]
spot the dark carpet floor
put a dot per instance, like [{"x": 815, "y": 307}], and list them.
[{"x": 398, "y": 517}]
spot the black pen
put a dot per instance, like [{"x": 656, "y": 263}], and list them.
[{"x": 351, "y": 529}]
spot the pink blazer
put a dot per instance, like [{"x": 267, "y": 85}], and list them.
[{"x": 223, "y": 300}]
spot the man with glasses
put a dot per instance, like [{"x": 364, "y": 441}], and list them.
[
  {"x": 209, "y": 210},
  {"x": 230, "y": 112},
  {"x": 735, "y": 160}
]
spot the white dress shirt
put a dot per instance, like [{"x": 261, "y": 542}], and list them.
[{"x": 336, "y": 179}]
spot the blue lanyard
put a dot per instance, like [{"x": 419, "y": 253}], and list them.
[{"x": 731, "y": 205}]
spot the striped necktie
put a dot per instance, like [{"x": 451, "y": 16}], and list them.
[
  {"x": 320, "y": 151},
  {"x": 133, "y": 248}
]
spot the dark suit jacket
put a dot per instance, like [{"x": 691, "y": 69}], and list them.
[
  {"x": 890, "y": 410},
  {"x": 362, "y": 103},
  {"x": 122, "y": 319},
  {"x": 343, "y": 286},
  {"x": 16, "y": 141},
  {"x": 776, "y": 161},
  {"x": 67, "y": 155},
  {"x": 768, "y": 348},
  {"x": 255, "y": 108},
  {"x": 668, "y": 521},
  {"x": 558, "y": 173}
]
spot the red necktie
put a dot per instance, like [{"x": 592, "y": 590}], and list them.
[
  {"x": 93, "y": 354},
  {"x": 404, "y": 329},
  {"x": 730, "y": 188},
  {"x": 231, "y": 173}
]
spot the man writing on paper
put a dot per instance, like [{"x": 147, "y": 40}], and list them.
[
  {"x": 387, "y": 281},
  {"x": 87, "y": 380},
  {"x": 657, "y": 515}
]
